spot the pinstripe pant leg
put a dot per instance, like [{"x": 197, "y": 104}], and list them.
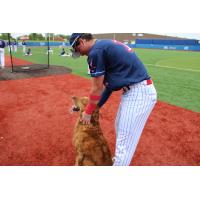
[
  {"x": 135, "y": 109},
  {"x": 2, "y": 62}
]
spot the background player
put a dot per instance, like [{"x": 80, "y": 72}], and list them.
[
  {"x": 117, "y": 67},
  {"x": 24, "y": 47},
  {"x": 62, "y": 53},
  {"x": 28, "y": 52},
  {"x": 15, "y": 46},
  {"x": 2, "y": 56},
  {"x": 49, "y": 50},
  {"x": 10, "y": 46}
]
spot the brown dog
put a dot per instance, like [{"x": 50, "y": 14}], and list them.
[{"x": 90, "y": 144}]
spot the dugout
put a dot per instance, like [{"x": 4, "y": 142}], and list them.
[{"x": 25, "y": 57}]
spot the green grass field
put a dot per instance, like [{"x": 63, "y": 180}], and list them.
[{"x": 176, "y": 74}]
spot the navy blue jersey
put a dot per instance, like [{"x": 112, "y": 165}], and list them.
[
  {"x": 117, "y": 62},
  {"x": 62, "y": 52},
  {"x": 23, "y": 43},
  {"x": 2, "y": 44}
]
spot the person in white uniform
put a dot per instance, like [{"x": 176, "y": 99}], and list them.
[
  {"x": 24, "y": 46},
  {"x": 2, "y": 54},
  {"x": 15, "y": 46},
  {"x": 10, "y": 46},
  {"x": 49, "y": 50}
]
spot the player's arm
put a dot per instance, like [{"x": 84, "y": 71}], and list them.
[
  {"x": 98, "y": 90},
  {"x": 97, "y": 85},
  {"x": 94, "y": 97},
  {"x": 104, "y": 97},
  {"x": 97, "y": 71}
]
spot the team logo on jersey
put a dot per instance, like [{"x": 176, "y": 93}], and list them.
[
  {"x": 92, "y": 67},
  {"x": 124, "y": 45}
]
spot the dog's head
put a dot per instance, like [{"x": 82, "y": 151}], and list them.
[{"x": 80, "y": 104}]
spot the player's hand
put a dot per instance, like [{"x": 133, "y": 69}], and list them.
[{"x": 85, "y": 119}]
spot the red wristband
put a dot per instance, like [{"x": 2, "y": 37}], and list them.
[
  {"x": 90, "y": 108},
  {"x": 94, "y": 97}
]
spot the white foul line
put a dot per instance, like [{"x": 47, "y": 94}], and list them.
[{"x": 193, "y": 70}]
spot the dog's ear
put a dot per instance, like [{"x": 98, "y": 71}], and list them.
[
  {"x": 84, "y": 101},
  {"x": 75, "y": 100}
]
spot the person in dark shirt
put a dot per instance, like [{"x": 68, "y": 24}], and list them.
[
  {"x": 28, "y": 52},
  {"x": 62, "y": 53},
  {"x": 114, "y": 66}
]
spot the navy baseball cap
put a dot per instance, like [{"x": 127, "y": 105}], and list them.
[{"x": 73, "y": 38}]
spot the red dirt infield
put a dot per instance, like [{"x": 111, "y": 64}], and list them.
[
  {"x": 16, "y": 61},
  {"x": 36, "y": 127}
]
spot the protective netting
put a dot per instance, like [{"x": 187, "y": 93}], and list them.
[{"x": 28, "y": 51}]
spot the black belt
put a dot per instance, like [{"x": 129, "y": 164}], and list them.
[{"x": 127, "y": 88}]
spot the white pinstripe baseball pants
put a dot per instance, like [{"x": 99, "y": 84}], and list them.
[
  {"x": 2, "y": 61},
  {"x": 134, "y": 109}
]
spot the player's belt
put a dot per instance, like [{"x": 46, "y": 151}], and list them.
[{"x": 146, "y": 82}]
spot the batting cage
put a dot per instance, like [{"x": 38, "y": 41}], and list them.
[{"x": 28, "y": 51}]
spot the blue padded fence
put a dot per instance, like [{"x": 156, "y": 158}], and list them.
[
  {"x": 46, "y": 44},
  {"x": 167, "y": 47},
  {"x": 186, "y": 45},
  {"x": 167, "y": 42},
  {"x": 189, "y": 45}
]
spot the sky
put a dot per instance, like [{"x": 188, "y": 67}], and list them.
[{"x": 184, "y": 35}]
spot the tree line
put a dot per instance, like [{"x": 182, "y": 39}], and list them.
[{"x": 37, "y": 36}]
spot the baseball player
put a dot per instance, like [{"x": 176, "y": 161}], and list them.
[
  {"x": 88, "y": 70},
  {"x": 2, "y": 59},
  {"x": 10, "y": 46},
  {"x": 62, "y": 53},
  {"x": 24, "y": 46},
  {"x": 49, "y": 50},
  {"x": 15, "y": 46},
  {"x": 114, "y": 66},
  {"x": 28, "y": 52}
]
